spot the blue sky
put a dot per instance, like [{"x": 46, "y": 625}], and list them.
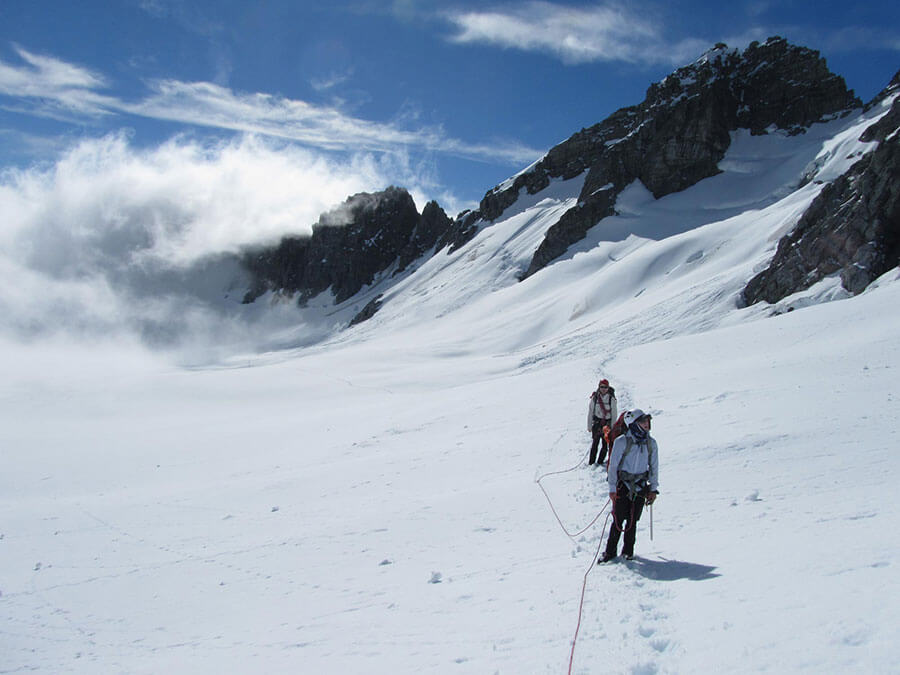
[{"x": 445, "y": 98}]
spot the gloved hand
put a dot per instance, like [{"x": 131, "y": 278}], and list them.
[
  {"x": 652, "y": 497},
  {"x": 612, "y": 496}
]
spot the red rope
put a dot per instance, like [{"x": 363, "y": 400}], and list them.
[
  {"x": 572, "y": 536},
  {"x": 581, "y": 604},
  {"x": 584, "y": 587}
]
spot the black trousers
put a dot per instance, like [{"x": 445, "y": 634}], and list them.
[
  {"x": 596, "y": 438},
  {"x": 626, "y": 513}
]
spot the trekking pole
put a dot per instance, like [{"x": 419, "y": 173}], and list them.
[{"x": 651, "y": 522}]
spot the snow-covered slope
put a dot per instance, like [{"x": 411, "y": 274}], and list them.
[
  {"x": 369, "y": 504},
  {"x": 683, "y": 258}
]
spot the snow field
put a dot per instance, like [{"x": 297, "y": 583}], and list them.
[
  {"x": 254, "y": 523},
  {"x": 368, "y": 505}
]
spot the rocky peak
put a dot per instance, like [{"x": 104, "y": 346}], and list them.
[
  {"x": 349, "y": 245},
  {"x": 774, "y": 84},
  {"x": 679, "y": 133}
]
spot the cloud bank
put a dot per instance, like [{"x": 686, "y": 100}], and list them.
[{"x": 117, "y": 240}]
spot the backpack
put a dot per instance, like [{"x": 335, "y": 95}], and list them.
[{"x": 617, "y": 429}]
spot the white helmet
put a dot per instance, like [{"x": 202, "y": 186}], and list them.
[{"x": 635, "y": 415}]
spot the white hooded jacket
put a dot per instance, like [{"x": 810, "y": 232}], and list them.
[{"x": 644, "y": 456}]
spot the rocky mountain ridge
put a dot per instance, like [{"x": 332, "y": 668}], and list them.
[
  {"x": 672, "y": 140},
  {"x": 679, "y": 133}
]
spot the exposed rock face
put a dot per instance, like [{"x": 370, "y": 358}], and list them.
[
  {"x": 852, "y": 227},
  {"x": 349, "y": 246},
  {"x": 679, "y": 133},
  {"x": 433, "y": 227}
]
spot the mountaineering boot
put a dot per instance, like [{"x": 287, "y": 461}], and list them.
[
  {"x": 605, "y": 558},
  {"x": 629, "y": 556}
]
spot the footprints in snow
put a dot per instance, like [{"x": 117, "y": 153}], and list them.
[{"x": 640, "y": 629}]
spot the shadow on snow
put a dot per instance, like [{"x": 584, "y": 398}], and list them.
[{"x": 671, "y": 570}]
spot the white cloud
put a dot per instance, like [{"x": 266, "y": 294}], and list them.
[
  {"x": 622, "y": 32},
  {"x": 106, "y": 203},
  {"x": 46, "y": 74},
  {"x": 54, "y": 86},
  {"x": 573, "y": 34},
  {"x": 65, "y": 85},
  {"x": 206, "y": 104},
  {"x": 331, "y": 81},
  {"x": 116, "y": 238}
]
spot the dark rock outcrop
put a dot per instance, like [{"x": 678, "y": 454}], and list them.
[
  {"x": 433, "y": 226},
  {"x": 679, "y": 133},
  {"x": 349, "y": 245},
  {"x": 852, "y": 227},
  {"x": 368, "y": 311}
]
